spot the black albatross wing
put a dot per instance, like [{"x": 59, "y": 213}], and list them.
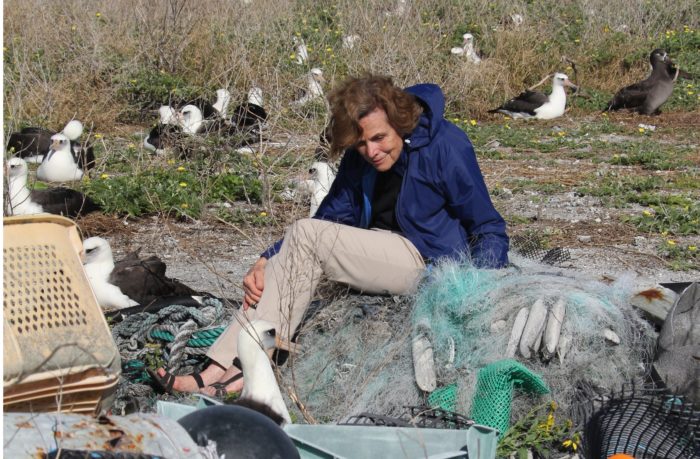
[
  {"x": 144, "y": 280},
  {"x": 525, "y": 102},
  {"x": 29, "y": 142},
  {"x": 64, "y": 201},
  {"x": 632, "y": 96}
]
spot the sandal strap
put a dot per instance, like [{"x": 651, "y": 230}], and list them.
[
  {"x": 169, "y": 380},
  {"x": 237, "y": 363},
  {"x": 198, "y": 379}
]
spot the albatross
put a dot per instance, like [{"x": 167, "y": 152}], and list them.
[
  {"x": 648, "y": 95},
  {"x": 313, "y": 90},
  {"x": 533, "y": 104},
  {"x": 60, "y": 164},
  {"x": 59, "y": 201},
  {"x": 261, "y": 390},
  {"x": 33, "y": 143},
  {"x": 141, "y": 281},
  {"x": 318, "y": 185},
  {"x": 166, "y": 133},
  {"x": 467, "y": 49},
  {"x": 98, "y": 265}
]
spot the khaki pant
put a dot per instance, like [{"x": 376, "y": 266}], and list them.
[{"x": 372, "y": 261}]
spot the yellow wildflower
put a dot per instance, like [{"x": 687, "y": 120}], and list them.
[
  {"x": 646, "y": 213},
  {"x": 641, "y": 130},
  {"x": 98, "y": 15},
  {"x": 550, "y": 422},
  {"x": 184, "y": 205},
  {"x": 181, "y": 168},
  {"x": 292, "y": 56},
  {"x": 104, "y": 176},
  {"x": 561, "y": 133},
  {"x": 98, "y": 136},
  {"x": 183, "y": 184},
  {"x": 692, "y": 248},
  {"x": 671, "y": 242},
  {"x": 171, "y": 161},
  {"x": 131, "y": 145},
  {"x": 263, "y": 214},
  {"x": 472, "y": 122}
]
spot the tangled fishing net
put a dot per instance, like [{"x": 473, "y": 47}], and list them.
[{"x": 358, "y": 349}]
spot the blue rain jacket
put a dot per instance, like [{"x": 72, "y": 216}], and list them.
[{"x": 443, "y": 208}]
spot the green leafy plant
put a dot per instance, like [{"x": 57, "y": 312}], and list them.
[
  {"x": 681, "y": 257},
  {"x": 540, "y": 432},
  {"x": 668, "y": 219}
]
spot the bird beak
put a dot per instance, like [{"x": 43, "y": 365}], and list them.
[{"x": 571, "y": 85}]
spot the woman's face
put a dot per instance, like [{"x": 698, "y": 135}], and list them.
[{"x": 379, "y": 143}]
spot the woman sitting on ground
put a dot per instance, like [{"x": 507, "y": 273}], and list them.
[{"x": 408, "y": 192}]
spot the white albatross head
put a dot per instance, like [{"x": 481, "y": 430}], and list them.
[
  {"x": 223, "y": 97},
  {"x": 73, "y": 130},
  {"x": 97, "y": 250},
  {"x": 255, "y": 96},
  {"x": 167, "y": 115},
  {"x": 16, "y": 168},
  {"x": 191, "y": 118}
]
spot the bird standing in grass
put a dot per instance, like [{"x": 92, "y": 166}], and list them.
[
  {"x": 648, "y": 95},
  {"x": 533, "y": 104},
  {"x": 467, "y": 49}
]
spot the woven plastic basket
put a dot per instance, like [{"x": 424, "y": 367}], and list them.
[{"x": 58, "y": 351}]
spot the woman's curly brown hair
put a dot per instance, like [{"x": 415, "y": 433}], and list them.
[{"x": 357, "y": 97}]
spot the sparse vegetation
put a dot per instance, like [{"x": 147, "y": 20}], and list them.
[{"x": 112, "y": 63}]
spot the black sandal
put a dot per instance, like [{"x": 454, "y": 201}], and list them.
[
  {"x": 220, "y": 387},
  {"x": 165, "y": 383}
]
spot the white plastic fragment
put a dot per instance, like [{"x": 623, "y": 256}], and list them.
[
  {"x": 451, "y": 352},
  {"x": 611, "y": 336},
  {"x": 555, "y": 319},
  {"x": 533, "y": 328},
  {"x": 423, "y": 361},
  {"x": 517, "y": 331},
  {"x": 563, "y": 347}
]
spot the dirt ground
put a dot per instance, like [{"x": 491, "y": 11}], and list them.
[{"x": 213, "y": 256}]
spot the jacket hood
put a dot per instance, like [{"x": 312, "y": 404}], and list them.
[{"x": 433, "y": 101}]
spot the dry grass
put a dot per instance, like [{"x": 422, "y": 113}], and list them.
[{"x": 73, "y": 58}]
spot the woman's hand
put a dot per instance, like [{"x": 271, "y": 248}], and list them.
[{"x": 253, "y": 284}]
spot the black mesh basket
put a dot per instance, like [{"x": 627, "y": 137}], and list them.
[
  {"x": 533, "y": 247},
  {"x": 641, "y": 422}
]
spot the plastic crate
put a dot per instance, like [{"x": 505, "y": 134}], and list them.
[{"x": 58, "y": 351}]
